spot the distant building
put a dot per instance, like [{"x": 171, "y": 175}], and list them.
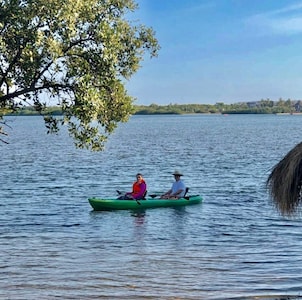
[
  {"x": 252, "y": 104},
  {"x": 298, "y": 106}
]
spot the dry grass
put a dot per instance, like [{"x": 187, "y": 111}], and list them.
[{"x": 284, "y": 182}]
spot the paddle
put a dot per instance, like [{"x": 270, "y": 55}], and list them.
[
  {"x": 185, "y": 197},
  {"x": 153, "y": 196},
  {"x": 120, "y": 193}
]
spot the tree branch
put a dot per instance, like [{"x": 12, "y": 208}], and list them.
[
  {"x": 33, "y": 89},
  {"x": 11, "y": 65}
]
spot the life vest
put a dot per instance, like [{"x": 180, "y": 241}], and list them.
[{"x": 137, "y": 189}]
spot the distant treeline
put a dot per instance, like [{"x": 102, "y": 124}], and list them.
[
  {"x": 257, "y": 107},
  {"x": 30, "y": 111}
]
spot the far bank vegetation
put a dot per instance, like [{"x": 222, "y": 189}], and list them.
[{"x": 256, "y": 107}]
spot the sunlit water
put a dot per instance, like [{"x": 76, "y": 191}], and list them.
[{"x": 233, "y": 245}]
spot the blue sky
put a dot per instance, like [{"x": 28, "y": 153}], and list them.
[{"x": 220, "y": 51}]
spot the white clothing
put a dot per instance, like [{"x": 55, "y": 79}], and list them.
[{"x": 178, "y": 185}]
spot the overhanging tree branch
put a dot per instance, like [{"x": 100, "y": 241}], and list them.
[{"x": 77, "y": 53}]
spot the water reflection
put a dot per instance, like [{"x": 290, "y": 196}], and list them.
[{"x": 139, "y": 216}]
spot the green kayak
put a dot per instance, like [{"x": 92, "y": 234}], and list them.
[{"x": 115, "y": 204}]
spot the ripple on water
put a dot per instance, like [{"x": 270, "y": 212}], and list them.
[{"x": 233, "y": 246}]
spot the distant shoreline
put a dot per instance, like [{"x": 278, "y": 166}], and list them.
[
  {"x": 280, "y": 107},
  {"x": 160, "y": 114}
]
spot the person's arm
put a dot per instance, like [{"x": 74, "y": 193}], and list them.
[
  {"x": 177, "y": 193},
  {"x": 140, "y": 194},
  {"x": 129, "y": 194},
  {"x": 167, "y": 193}
]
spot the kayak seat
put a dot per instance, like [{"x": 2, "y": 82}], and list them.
[
  {"x": 144, "y": 196},
  {"x": 186, "y": 191}
]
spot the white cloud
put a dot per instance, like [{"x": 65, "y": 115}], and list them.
[
  {"x": 286, "y": 20},
  {"x": 291, "y": 25}
]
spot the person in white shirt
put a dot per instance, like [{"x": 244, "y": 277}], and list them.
[{"x": 178, "y": 188}]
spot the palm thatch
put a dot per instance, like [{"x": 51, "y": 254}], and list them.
[{"x": 284, "y": 182}]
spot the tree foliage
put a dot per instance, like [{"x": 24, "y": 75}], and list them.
[{"x": 78, "y": 52}]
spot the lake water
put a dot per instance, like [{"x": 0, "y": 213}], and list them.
[{"x": 234, "y": 245}]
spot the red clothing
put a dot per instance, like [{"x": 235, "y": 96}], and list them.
[{"x": 139, "y": 189}]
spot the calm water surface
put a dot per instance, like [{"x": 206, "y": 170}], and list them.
[{"x": 234, "y": 245}]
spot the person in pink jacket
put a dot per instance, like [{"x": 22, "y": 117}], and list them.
[{"x": 139, "y": 189}]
